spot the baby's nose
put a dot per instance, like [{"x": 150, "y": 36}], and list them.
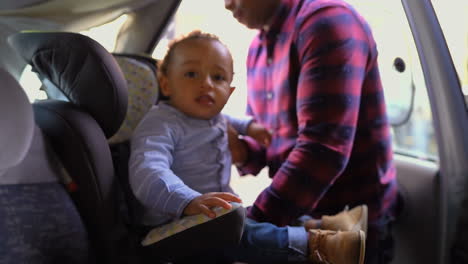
[{"x": 207, "y": 83}]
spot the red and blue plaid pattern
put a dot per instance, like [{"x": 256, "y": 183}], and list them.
[{"x": 313, "y": 80}]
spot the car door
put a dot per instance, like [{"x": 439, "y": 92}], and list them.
[
  {"x": 429, "y": 118},
  {"x": 450, "y": 120}
]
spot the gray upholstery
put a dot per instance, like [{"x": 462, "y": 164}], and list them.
[
  {"x": 37, "y": 166},
  {"x": 77, "y": 129},
  {"x": 16, "y": 122},
  {"x": 39, "y": 223}
]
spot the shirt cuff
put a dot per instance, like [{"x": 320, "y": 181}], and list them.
[
  {"x": 179, "y": 199},
  {"x": 298, "y": 242},
  {"x": 255, "y": 157},
  {"x": 243, "y": 125}
]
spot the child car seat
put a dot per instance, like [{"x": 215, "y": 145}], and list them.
[{"x": 89, "y": 77}]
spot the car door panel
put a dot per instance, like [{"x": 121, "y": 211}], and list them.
[{"x": 415, "y": 229}]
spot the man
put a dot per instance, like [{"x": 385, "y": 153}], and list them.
[{"x": 313, "y": 80}]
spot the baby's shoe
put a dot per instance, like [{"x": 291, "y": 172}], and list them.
[{"x": 337, "y": 247}]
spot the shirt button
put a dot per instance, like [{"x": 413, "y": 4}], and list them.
[
  {"x": 269, "y": 95},
  {"x": 269, "y": 61}
]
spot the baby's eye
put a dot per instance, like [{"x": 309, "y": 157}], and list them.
[
  {"x": 190, "y": 74},
  {"x": 219, "y": 77}
]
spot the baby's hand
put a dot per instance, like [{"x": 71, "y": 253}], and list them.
[
  {"x": 259, "y": 133},
  {"x": 203, "y": 203}
]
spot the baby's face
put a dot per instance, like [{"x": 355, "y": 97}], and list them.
[{"x": 198, "y": 78}]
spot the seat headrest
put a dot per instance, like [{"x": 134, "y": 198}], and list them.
[
  {"x": 84, "y": 71},
  {"x": 16, "y": 122}
]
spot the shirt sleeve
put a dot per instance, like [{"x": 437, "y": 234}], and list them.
[
  {"x": 333, "y": 51},
  {"x": 151, "y": 179},
  {"x": 256, "y": 152},
  {"x": 256, "y": 157},
  {"x": 239, "y": 123}
]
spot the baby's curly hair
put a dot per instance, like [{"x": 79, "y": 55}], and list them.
[{"x": 196, "y": 34}]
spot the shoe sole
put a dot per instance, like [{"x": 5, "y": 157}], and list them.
[{"x": 362, "y": 250}]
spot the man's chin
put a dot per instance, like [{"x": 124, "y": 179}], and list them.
[
  {"x": 253, "y": 25},
  {"x": 248, "y": 24}
]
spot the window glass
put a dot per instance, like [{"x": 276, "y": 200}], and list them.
[
  {"x": 402, "y": 78},
  {"x": 453, "y": 19},
  {"x": 31, "y": 85}
]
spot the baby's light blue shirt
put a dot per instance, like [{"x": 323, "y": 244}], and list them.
[{"x": 175, "y": 158}]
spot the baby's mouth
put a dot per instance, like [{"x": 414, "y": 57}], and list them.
[{"x": 205, "y": 100}]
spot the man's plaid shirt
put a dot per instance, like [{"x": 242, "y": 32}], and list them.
[{"x": 313, "y": 80}]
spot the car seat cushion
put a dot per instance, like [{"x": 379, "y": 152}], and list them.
[
  {"x": 40, "y": 225},
  {"x": 162, "y": 232},
  {"x": 191, "y": 235}
]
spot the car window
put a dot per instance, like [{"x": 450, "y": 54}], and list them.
[
  {"x": 31, "y": 85},
  {"x": 106, "y": 36},
  {"x": 456, "y": 35},
  {"x": 402, "y": 78}
]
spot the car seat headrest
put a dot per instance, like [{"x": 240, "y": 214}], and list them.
[
  {"x": 143, "y": 91},
  {"x": 16, "y": 122},
  {"x": 84, "y": 72}
]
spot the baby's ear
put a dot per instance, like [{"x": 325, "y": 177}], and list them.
[{"x": 162, "y": 80}]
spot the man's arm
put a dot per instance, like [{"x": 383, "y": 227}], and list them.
[{"x": 332, "y": 48}]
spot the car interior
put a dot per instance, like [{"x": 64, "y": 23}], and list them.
[
  {"x": 64, "y": 190},
  {"x": 76, "y": 132},
  {"x": 37, "y": 211}
]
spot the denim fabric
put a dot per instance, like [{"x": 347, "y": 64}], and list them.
[{"x": 267, "y": 243}]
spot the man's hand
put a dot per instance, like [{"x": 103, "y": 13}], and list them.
[
  {"x": 259, "y": 133},
  {"x": 203, "y": 203},
  {"x": 237, "y": 147}
]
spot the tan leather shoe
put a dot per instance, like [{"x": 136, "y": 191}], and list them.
[
  {"x": 347, "y": 220},
  {"x": 337, "y": 247}
]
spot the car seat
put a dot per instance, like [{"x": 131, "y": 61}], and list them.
[
  {"x": 78, "y": 129},
  {"x": 80, "y": 70},
  {"x": 143, "y": 92},
  {"x": 39, "y": 224}
]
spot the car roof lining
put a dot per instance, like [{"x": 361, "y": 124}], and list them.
[{"x": 74, "y": 16}]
